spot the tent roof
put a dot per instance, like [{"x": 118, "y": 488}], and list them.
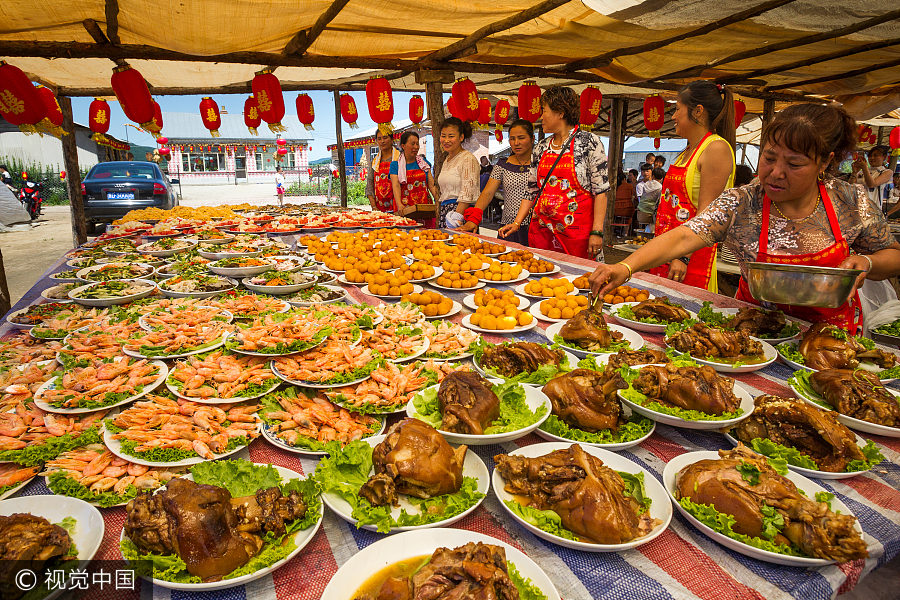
[{"x": 775, "y": 48}]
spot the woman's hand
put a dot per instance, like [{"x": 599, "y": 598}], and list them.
[
  {"x": 595, "y": 244},
  {"x": 607, "y": 277},
  {"x": 468, "y": 226},
  {"x": 677, "y": 270},
  {"x": 855, "y": 261},
  {"x": 508, "y": 230}
]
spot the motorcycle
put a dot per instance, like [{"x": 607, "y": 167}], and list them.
[{"x": 32, "y": 197}]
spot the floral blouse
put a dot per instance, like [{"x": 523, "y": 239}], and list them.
[
  {"x": 590, "y": 163},
  {"x": 735, "y": 218}
]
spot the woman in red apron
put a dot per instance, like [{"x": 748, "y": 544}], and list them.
[
  {"x": 816, "y": 220},
  {"x": 379, "y": 190},
  {"x": 411, "y": 178}
]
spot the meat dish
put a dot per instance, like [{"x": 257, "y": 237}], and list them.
[
  {"x": 588, "y": 496},
  {"x": 413, "y": 459},
  {"x": 825, "y": 346},
  {"x": 519, "y": 357},
  {"x": 858, "y": 394},
  {"x": 28, "y": 541},
  {"x": 476, "y": 570},
  {"x": 661, "y": 309},
  {"x": 794, "y": 423},
  {"x": 467, "y": 403},
  {"x": 212, "y": 532},
  {"x": 688, "y": 388},
  {"x": 630, "y": 358},
  {"x": 702, "y": 341},
  {"x": 757, "y": 322},
  {"x": 743, "y": 484},
  {"x": 587, "y": 399},
  {"x": 588, "y": 329}
]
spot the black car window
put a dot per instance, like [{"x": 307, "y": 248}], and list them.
[{"x": 124, "y": 172}]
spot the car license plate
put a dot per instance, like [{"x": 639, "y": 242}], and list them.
[{"x": 120, "y": 195}]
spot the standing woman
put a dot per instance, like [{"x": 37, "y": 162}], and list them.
[
  {"x": 704, "y": 116},
  {"x": 568, "y": 181},
  {"x": 459, "y": 177},
  {"x": 411, "y": 178},
  {"x": 512, "y": 174},
  {"x": 379, "y": 189}
]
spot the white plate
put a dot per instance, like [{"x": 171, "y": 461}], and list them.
[
  {"x": 769, "y": 352},
  {"x": 143, "y": 249},
  {"x": 866, "y": 366},
  {"x": 342, "y": 298},
  {"x": 342, "y": 278},
  {"x": 16, "y": 313},
  {"x": 221, "y": 255},
  {"x": 677, "y": 464},
  {"x": 456, "y": 308},
  {"x": 814, "y": 473},
  {"x": 211, "y": 346},
  {"x": 51, "y": 384},
  {"x": 45, "y": 296},
  {"x": 103, "y": 302},
  {"x": 270, "y": 437},
  {"x": 660, "y": 508},
  {"x": 534, "y": 398},
  {"x": 81, "y": 274},
  {"x": 417, "y": 289},
  {"x": 638, "y": 325},
  {"x": 142, "y": 323},
  {"x": 522, "y": 277},
  {"x": 235, "y": 272},
  {"x": 301, "y": 539},
  {"x": 267, "y": 354},
  {"x": 175, "y": 391},
  {"x": 469, "y": 302},
  {"x": 311, "y": 384},
  {"x": 739, "y": 390},
  {"x": 467, "y": 323},
  {"x": 612, "y": 446},
  {"x": 573, "y": 361},
  {"x": 472, "y": 467},
  {"x": 193, "y": 238},
  {"x": 520, "y": 289},
  {"x": 773, "y": 341},
  {"x": 115, "y": 447},
  {"x": 419, "y": 352},
  {"x": 478, "y": 286},
  {"x": 395, "y": 548},
  {"x": 438, "y": 271},
  {"x": 634, "y": 339},
  {"x": 852, "y": 423},
  {"x": 277, "y": 290}
]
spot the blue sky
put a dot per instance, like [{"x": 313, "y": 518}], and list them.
[{"x": 323, "y": 134}]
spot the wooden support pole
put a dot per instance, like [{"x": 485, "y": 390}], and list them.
[
  {"x": 614, "y": 156},
  {"x": 73, "y": 174},
  {"x": 767, "y": 116},
  {"x": 302, "y": 40},
  {"x": 342, "y": 164},
  {"x": 111, "y": 9},
  {"x": 434, "y": 100},
  {"x": 5, "y": 299},
  {"x": 881, "y": 131}
]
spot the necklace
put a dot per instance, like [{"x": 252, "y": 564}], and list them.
[{"x": 804, "y": 219}]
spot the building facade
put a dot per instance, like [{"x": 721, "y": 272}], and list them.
[{"x": 46, "y": 150}]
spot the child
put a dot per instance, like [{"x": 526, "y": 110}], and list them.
[{"x": 279, "y": 186}]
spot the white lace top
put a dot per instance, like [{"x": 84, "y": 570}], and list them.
[{"x": 459, "y": 178}]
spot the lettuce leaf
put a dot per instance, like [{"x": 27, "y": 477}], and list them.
[
  {"x": 545, "y": 520},
  {"x": 541, "y": 376},
  {"x": 590, "y": 363},
  {"x": 749, "y": 473},
  {"x": 825, "y": 497},
  {"x": 239, "y": 477},
  {"x": 634, "y": 429},
  {"x": 873, "y": 457},
  {"x": 710, "y": 317},
  {"x": 790, "y": 350},
  {"x": 767, "y": 447},
  {"x": 634, "y": 487},
  {"x": 62, "y": 485},
  {"x": 800, "y": 381},
  {"x": 167, "y": 567},
  {"x": 611, "y": 349},
  {"x": 35, "y": 454},
  {"x": 688, "y": 415},
  {"x": 514, "y": 411},
  {"x": 723, "y": 523},
  {"x": 527, "y": 590},
  {"x": 626, "y": 312}
]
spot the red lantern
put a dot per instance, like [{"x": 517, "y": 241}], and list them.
[
  {"x": 740, "y": 109},
  {"x": 654, "y": 117},
  {"x": 165, "y": 152},
  {"x": 501, "y": 116},
  {"x": 465, "y": 96},
  {"x": 380, "y": 99},
  {"x": 62, "y": 175},
  {"x": 656, "y": 143},
  {"x": 157, "y": 116},
  {"x": 251, "y": 115},
  {"x": 133, "y": 94},
  {"x": 498, "y": 135},
  {"x": 281, "y": 142},
  {"x": 416, "y": 109},
  {"x": 454, "y": 109},
  {"x": 52, "y": 123},
  {"x": 305, "y": 111},
  {"x": 530, "y": 101},
  {"x": 484, "y": 113},
  {"x": 209, "y": 112},
  {"x": 348, "y": 111},
  {"x": 269, "y": 99},
  {"x": 894, "y": 140},
  {"x": 590, "y": 102},
  {"x": 98, "y": 118},
  {"x": 20, "y": 103},
  {"x": 162, "y": 141}
]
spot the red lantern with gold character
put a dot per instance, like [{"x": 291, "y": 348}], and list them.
[
  {"x": 740, "y": 109},
  {"x": 20, "y": 103},
  {"x": 380, "y": 99},
  {"x": 484, "y": 113},
  {"x": 269, "y": 99},
  {"x": 416, "y": 109},
  {"x": 348, "y": 111},
  {"x": 133, "y": 95},
  {"x": 654, "y": 116},
  {"x": 52, "y": 123},
  {"x": 656, "y": 143},
  {"x": 530, "y": 101},
  {"x": 894, "y": 140},
  {"x": 251, "y": 115},
  {"x": 157, "y": 116},
  {"x": 209, "y": 112},
  {"x": 306, "y": 113},
  {"x": 501, "y": 116},
  {"x": 591, "y": 101},
  {"x": 98, "y": 118},
  {"x": 465, "y": 96}
]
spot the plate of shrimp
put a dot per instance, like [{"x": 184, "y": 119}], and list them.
[
  {"x": 220, "y": 377},
  {"x": 94, "y": 474},
  {"x": 14, "y": 477},
  {"x": 19, "y": 383},
  {"x": 332, "y": 363},
  {"x": 100, "y": 341},
  {"x": 100, "y": 385},
  {"x": 303, "y": 424},
  {"x": 449, "y": 341},
  {"x": 278, "y": 335},
  {"x": 161, "y": 431},
  {"x": 396, "y": 343},
  {"x": 404, "y": 313},
  {"x": 244, "y": 305},
  {"x": 182, "y": 317},
  {"x": 28, "y": 428},
  {"x": 176, "y": 340}
]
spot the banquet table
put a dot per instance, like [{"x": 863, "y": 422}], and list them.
[{"x": 682, "y": 563}]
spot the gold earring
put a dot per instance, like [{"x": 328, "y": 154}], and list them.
[{"x": 821, "y": 176}]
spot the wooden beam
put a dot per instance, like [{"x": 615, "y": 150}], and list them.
[
  {"x": 454, "y": 49},
  {"x": 767, "y": 115},
  {"x": 406, "y": 31},
  {"x": 73, "y": 173},
  {"x": 785, "y": 45},
  {"x": 95, "y": 32},
  {"x": 425, "y": 76},
  {"x": 845, "y": 75},
  {"x": 616, "y": 145},
  {"x": 603, "y": 60},
  {"x": 434, "y": 100},
  {"x": 302, "y": 40},
  {"x": 342, "y": 164},
  {"x": 799, "y": 64},
  {"x": 112, "y": 21}
]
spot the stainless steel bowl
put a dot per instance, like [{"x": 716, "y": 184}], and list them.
[{"x": 801, "y": 285}]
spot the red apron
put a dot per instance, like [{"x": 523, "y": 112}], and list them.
[
  {"x": 564, "y": 213},
  {"x": 415, "y": 190},
  {"x": 849, "y": 316},
  {"x": 676, "y": 207},
  {"x": 384, "y": 193}
]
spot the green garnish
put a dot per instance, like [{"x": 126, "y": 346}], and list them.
[{"x": 514, "y": 411}]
